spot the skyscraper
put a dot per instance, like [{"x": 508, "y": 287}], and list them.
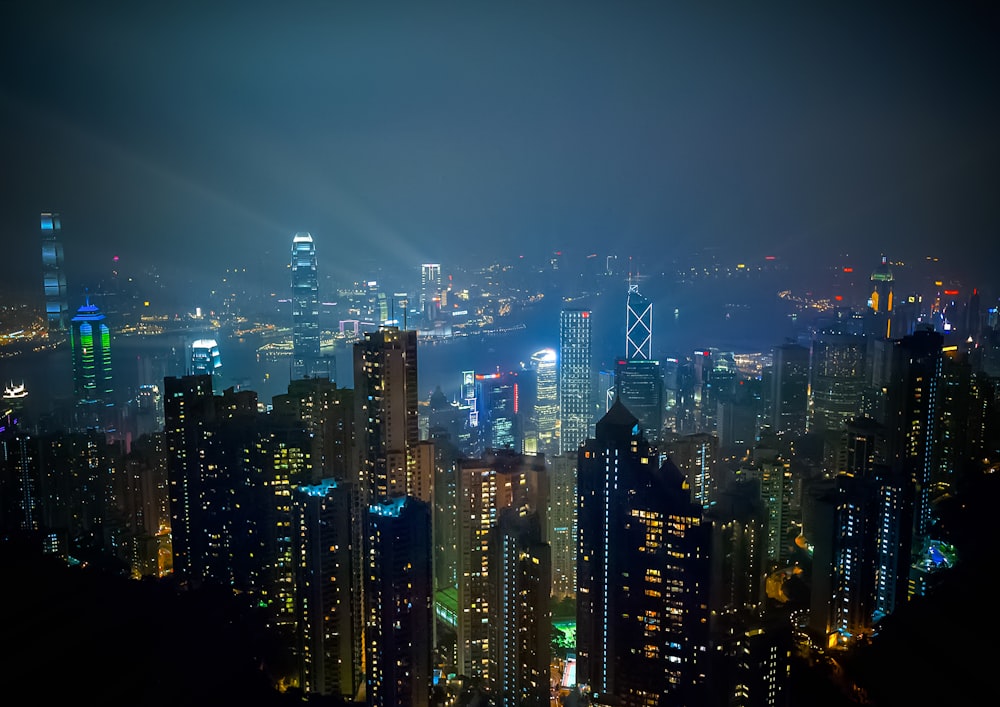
[
  {"x": 574, "y": 378},
  {"x": 205, "y": 357},
  {"x": 305, "y": 307},
  {"x": 489, "y": 584},
  {"x": 638, "y": 326},
  {"x": 329, "y": 626},
  {"x": 430, "y": 290},
  {"x": 53, "y": 276},
  {"x": 546, "y": 412},
  {"x": 385, "y": 398},
  {"x": 90, "y": 342},
  {"x": 790, "y": 388},
  {"x": 642, "y": 572},
  {"x": 398, "y": 603}
]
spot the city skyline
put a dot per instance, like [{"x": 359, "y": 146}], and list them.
[{"x": 175, "y": 137}]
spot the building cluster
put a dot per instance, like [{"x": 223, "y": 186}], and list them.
[{"x": 702, "y": 519}]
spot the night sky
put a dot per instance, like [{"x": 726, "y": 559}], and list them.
[{"x": 199, "y": 136}]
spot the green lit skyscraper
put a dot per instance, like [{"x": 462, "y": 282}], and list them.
[{"x": 90, "y": 340}]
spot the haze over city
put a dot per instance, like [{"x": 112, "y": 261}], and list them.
[{"x": 195, "y": 137}]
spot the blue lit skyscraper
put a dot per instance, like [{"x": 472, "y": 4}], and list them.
[
  {"x": 53, "y": 276},
  {"x": 305, "y": 307},
  {"x": 574, "y": 378}
]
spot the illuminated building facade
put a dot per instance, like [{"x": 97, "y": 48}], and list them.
[
  {"x": 501, "y": 479},
  {"x": 386, "y": 418},
  {"x": 205, "y": 357},
  {"x": 880, "y": 301},
  {"x": 328, "y": 598},
  {"x": 398, "y": 603},
  {"x": 638, "y": 326},
  {"x": 562, "y": 524},
  {"x": 430, "y": 291},
  {"x": 498, "y": 399},
  {"x": 53, "y": 275},
  {"x": 642, "y": 573},
  {"x": 521, "y": 563},
  {"x": 575, "y": 378},
  {"x": 90, "y": 344},
  {"x": 305, "y": 308},
  {"x": 546, "y": 409},
  {"x": 697, "y": 455}
]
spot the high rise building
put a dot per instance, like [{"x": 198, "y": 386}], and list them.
[
  {"x": 498, "y": 401},
  {"x": 502, "y": 479},
  {"x": 639, "y": 385},
  {"x": 837, "y": 372},
  {"x": 327, "y": 413},
  {"x": 638, "y": 326},
  {"x": 430, "y": 291},
  {"x": 575, "y": 378},
  {"x": 562, "y": 524},
  {"x": 880, "y": 301},
  {"x": 386, "y": 419},
  {"x": 329, "y": 626},
  {"x": 642, "y": 573},
  {"x": 205, "y": 357},
  {"x": 305, "y": 308},
  {"x": 790, "y": 388},
  {"x": 697, "y": 456},
  {"x": 398, "y": 603},
  {"x": 53, "y": 275},
  {"x": 546, "y": 408},
  {"x": 90, "y": 343}
]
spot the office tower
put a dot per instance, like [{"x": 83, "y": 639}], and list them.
[
  {"x": 385, "y": 400},
  {"x": 642, "y": 573},
  {"x": 205, "y": 357},
  {"x": 837, "y": 379},
  {"x": 639, "y": 386},
  {"x": 546, "y": 407},
  {"x": 574, "y": 378},
  {"x": 398, "y": 603},
  {"x": 521, "y": 562},
  {"x": 327, "y": 413},
  {"x": 880, "y": 301},
  {"x": 430, "y": 291},
  {"x": 147, "y": 410},
  {"x": 605, "y": 390},
  {"x": 498, "y": 402},
  {"x": 500, "y": 479},
  {"x": 562, "y": 524},
  {"x": 638, "y": 326},
  {"x": 790, "y": 389},
  {"x": 305, "y": 307},
  {"x": 90, "y": 343},
  {"x": 328, "y": 597},
  {"x": 53, "y": 275}
]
